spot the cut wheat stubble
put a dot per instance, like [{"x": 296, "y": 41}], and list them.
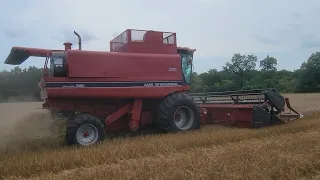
[{"x": 45, "y": 156}]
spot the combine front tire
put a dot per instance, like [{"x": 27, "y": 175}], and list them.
[
  {"x": 178, "y": 112},
  {"x": 85, "y": 130}
]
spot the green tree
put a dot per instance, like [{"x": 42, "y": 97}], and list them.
[
  {"x": 197, "y": 83},
  {"x": 241, "y": 65},
  {"x": 268, "y": 64},
  {"x": 210, "y": 79},
  {"x": 309, "y": 80}
]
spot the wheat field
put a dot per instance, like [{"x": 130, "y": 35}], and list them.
[{"x": 31, "y": 147}]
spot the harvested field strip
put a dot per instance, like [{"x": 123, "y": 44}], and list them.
[
  {"x": 53, "y": 161},
  {"x": 315, "y": 177},
  {"x": 288, "y": 156}
]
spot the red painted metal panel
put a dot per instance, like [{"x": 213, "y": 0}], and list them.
[
  {"x": 93, "y": 64},
  {"x": 109, "y": 79},
  {"x": 146, "y": 117},
  {"x": 19, "y": 54},
  {"x": 116, "y": 92},
  {"x": 151, "y": 48},
  {"x": 116, "y": 115},
  {"x": 228, "y": 114},
  {"x": 135, "y": 114}
]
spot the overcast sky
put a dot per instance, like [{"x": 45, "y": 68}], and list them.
[{"x": 286, "y": 29}]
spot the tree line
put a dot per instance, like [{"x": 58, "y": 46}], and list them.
[{"x": 239, "y": 73}]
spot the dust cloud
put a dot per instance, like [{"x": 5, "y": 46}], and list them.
[
  {"x": 17, "y": 99},
  {"x": 23, "y": 127}
]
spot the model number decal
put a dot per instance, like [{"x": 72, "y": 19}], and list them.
[{"x": 74, "y": 86}]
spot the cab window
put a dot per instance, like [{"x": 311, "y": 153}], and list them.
[{"x": 186, "y": 62}]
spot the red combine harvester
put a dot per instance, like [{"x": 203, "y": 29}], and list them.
[{"x": 142, "y": 82}]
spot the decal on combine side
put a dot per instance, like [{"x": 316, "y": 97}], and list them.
[
  {"x": 74, "y": 86},
  {"x": 111, "y": 84},
  {"x": 172, "y": 69},
  {"x": 161, "y": 84}
]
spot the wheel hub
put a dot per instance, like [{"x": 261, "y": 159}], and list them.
[
  {"x": 183, "y": 118},
  {"x": 87, "y": 134}
]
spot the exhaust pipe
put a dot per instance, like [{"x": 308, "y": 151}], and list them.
[{"x": 79, "y": 39}]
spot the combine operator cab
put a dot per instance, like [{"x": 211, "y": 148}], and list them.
[{"x": 57, "y": 65}]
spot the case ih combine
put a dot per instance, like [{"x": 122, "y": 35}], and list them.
[{"x": 143, "y": 81}]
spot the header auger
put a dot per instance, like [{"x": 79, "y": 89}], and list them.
[{"x": 143, "y": 82}]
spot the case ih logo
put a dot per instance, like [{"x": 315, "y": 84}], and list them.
[{"x": 161, "y": 84}]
